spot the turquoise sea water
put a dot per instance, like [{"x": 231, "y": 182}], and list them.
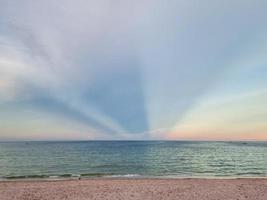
[{"x": 133, "y": 158}]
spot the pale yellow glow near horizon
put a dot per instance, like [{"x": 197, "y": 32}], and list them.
[{"x": 242, "y": 118}]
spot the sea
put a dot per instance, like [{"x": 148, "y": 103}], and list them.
[{"x": 173, "y": 159}]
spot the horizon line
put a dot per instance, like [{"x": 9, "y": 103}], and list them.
[{"x": 153, "y": 140}]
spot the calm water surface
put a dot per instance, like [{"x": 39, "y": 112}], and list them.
[{"x": 135, "y": 158}]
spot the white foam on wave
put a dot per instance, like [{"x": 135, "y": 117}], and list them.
[
  {"x": 76, "y": 175},
  {"x": 126, "y": 175},
  {"x": 53, "y": 176}
]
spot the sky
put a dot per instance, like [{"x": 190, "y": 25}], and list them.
[{"x": 133, "y": 70}]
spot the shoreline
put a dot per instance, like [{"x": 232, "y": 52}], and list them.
[
  {"x": 135, "y": 189},
  {"x": 77, "y": 178}
]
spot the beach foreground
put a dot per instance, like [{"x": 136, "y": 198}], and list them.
[{"x": 133, "y": 189}]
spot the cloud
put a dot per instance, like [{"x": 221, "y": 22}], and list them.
[
  {"x": 59, "y": 57},
  {"x": 124, "y": 68}
]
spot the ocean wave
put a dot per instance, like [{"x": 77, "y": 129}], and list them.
[
  {"x": 126, "y": 175},
  {"x": 85, "y": 175},
  {"x": 26, "y": 177},
  {"x": 100, "y": 175}
]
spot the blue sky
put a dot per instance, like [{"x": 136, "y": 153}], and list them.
[{"x": 133, "y": 70}]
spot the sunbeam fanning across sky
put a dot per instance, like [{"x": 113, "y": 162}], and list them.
[{"x": 133, "y": 70}]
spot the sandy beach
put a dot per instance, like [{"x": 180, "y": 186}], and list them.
[{"x": 133, "y": 189}]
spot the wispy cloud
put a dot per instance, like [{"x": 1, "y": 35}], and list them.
[{"x": 122, "y": 69}]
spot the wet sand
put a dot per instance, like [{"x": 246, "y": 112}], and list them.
[{"x": 133, "y": 189}]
